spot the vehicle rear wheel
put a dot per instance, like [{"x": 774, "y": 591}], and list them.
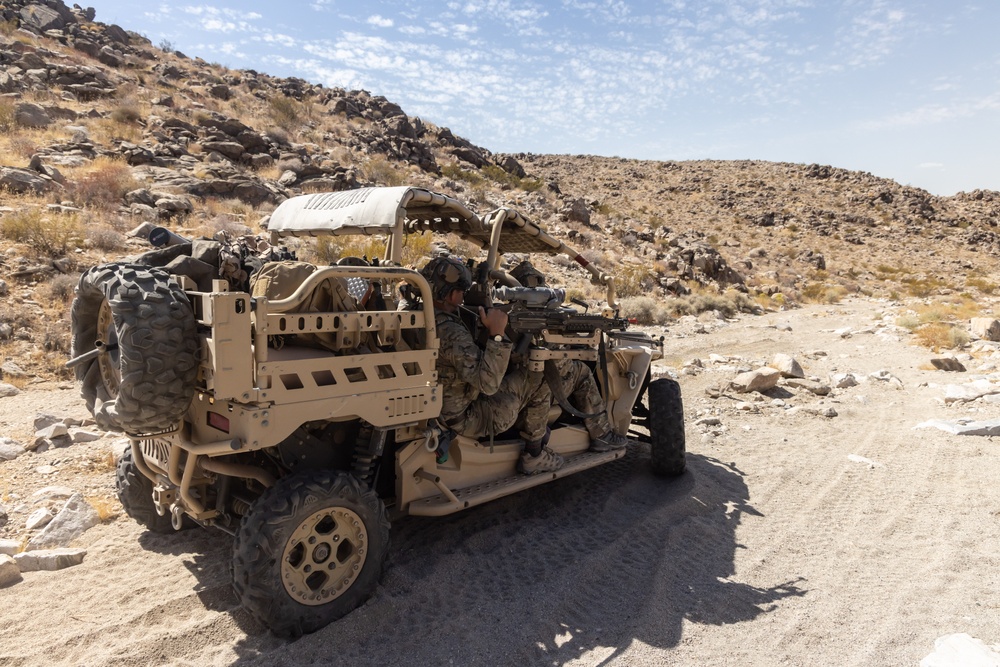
[
  {"x": 135, "y": 491},
  {"x": 666, "y": 427},
  {"x": 143, "y": 329},
  {"x": 310, "y": 550}
]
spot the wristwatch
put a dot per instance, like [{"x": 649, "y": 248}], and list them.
[{"x": 498, "y": 338}]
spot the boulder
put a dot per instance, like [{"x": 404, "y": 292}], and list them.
[
  {"x": 760, "y": 379},
  {"x": 811, "y": 386},
  {"x": 986, "y": 328},
  {"x": 75, "y": 518},
  {"x": 787, "y": 366},
  {"x": 40, "y": 18},
  {"x": 49, "y": 559},
  {"x": 27, "y": 114},
  {"x": 948, "y": 364},
  {"x": 10, "y": 449},
  {"x": 21, "y": 181},
  {"x": 10, "y": 573}
]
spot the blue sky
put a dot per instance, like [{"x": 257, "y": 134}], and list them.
[{"x": 905, "y": 90}]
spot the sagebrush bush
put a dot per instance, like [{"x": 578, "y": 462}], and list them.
[
  {"x": 103, "y": 185},
  {"x": 383, "y": 172},
  {"x": 7, "y": 122},
  {"x": 942, "y": 336},
  {"x": 61, "y": 288},
  {"x": 287, "y": 112},
  {"x": 704, "y": 300},
  {"x": 105, "y": 238},
  {"x": 49, "y": 235},
  {"x": 646, "y": 310},
  {"x": 126, "y": 114}
]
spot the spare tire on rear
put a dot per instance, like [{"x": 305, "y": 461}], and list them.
[{"x": 142, "y": 378}]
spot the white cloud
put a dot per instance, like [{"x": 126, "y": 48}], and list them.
[
  {"x": 320, "y": 5},
  {"x": 933, "y": 114},
  {"x": 379, "y": 21},
  {"x": 931, "y": 165},
  {"x": 278, "y": 38}
]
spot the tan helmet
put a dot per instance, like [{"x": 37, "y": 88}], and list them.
[{"x": 447, "y": 273}]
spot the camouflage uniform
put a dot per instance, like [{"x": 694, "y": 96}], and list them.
[
  {"x": 576, "y": 380},
  {"x": 478, "y": 399},
  {"x": 579, "y": 386}
]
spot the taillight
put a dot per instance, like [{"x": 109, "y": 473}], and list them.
[{"x": 216, "y": 420}]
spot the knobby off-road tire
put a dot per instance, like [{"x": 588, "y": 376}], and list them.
[
  {"x": 144, "y": 377},
  {"x": 310, "y": 550},
  {"x": 135, "y": 491},
  {"x": 666, "y": 427}
]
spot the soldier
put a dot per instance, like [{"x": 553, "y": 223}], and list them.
[
  {"x": 573, "y": 379},
  {"x": 479, "y": 397}
]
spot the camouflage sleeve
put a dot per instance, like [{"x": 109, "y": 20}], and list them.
[{"x": 483, "y": 370}]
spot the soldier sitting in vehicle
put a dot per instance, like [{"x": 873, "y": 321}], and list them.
[
  {"x": 479, "y": 396},
  {"x": 573, "y": 379}
]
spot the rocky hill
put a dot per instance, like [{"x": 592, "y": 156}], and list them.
[{"x": 100, "y": 131}]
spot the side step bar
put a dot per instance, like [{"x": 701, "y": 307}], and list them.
[{"x": 451, "y": 501}]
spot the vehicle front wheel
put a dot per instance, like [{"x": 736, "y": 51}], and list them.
[
  {"x": 310, "y": 550},
  {"x": 666, "y": 427}
]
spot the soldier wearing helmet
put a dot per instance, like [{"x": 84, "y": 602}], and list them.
[
  {"x": 479, "y": 396},
  {"x": 573, "y": 379}
]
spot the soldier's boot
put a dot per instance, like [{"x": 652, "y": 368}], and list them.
[
  {"x": 608, "y": 441},
  {"x": 546, "y": 461}
]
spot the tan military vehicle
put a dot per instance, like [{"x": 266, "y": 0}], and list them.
[{"x": 296, "y": 411}]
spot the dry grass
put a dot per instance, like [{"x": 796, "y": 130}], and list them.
[
  {"x": 49, "y": 235},
  {"x": 106, "y": 508},
  {"x": 102, "y": 184},
  {"x": 381, "y": 171},
  {"x": 942, "y": 336}
]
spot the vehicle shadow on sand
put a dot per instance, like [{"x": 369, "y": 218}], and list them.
[{"x": 580, "y": 568}]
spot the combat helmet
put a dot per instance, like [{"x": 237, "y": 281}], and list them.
[{"x": 446, "y": 273}]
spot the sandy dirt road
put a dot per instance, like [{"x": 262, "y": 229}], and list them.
[{"x": 774, "y": 548}]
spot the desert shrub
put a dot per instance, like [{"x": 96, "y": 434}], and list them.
[
  {"x": 126, "y": 114},
  {"x": 453, "y": 171},
  {"x": 61, "y": 288},
  {"x": 103, "y": 185},
  {"x": 329, "y": 249},
  {"x": 922, "y": 287},
  {"x": 947, "y": 310},
  {"x": 645, "y": 310},
  {"x": 633, "y": 280},
  {"x": 942, "y": 336},
  {"x": 704, "y": 300},
  {"x": 22, "y": 146},
  {"x": 818, "y": 292},
  {"x": 104, "y": 238},
  {"x": 49, "y": 235},
  {"x": 908, "y": 321},
  {"x": 7, "y": 123},
  {"x": 380, "y": 170},
  {"x": 981, "y": 284},
  {"x": 287, "y": 112}
]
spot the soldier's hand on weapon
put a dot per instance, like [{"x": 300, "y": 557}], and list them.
[{"x": 494, "y": 319}]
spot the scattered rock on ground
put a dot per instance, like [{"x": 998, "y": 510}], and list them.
[
  {"x": 760, "y": 379},
  {"x": 75, "y": 517}
]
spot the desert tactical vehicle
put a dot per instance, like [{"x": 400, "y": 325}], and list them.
[{"x": 293, "y": 405}]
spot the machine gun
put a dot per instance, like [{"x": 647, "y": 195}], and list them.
[{"x": 538, "y": 312}]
